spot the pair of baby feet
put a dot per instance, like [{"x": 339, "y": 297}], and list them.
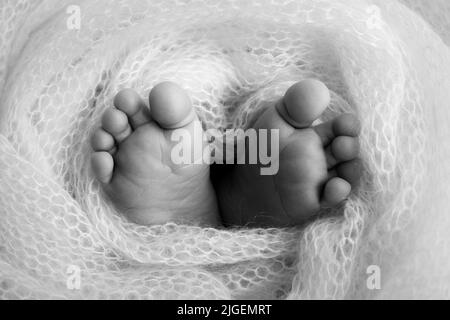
[{"x": 318, "y": 165}]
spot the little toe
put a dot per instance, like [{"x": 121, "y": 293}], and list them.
[
  {"x": 336, "y": 191},
  {"x": 102, "y": 141},
  {"x": 344, "y": 125},
  {"x": 304, "y": 103},
  {"x": 115, "y": 122},
  {"x": 171, "y": 107},
  {"x": 342, "y": 149},
  {"x": 103, "y": 166},
  {"x": 129, "y": 102}
]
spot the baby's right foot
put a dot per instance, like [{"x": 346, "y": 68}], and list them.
[{"x": 132, "y": 160}]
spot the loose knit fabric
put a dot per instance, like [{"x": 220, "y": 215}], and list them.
[{"x": 386, "y": 61}]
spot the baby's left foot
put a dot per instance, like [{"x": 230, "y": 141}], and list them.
[{"x": 318, "y": 166}]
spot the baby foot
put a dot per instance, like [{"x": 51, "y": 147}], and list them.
[
  {"x": 132, "y": 160},
  {"x": 318, "y": 166}
]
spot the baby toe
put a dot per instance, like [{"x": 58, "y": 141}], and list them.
[
  {"x": 102, "y": 141},
  {"x": 342, "y": 149},
  {"x": 115, "y": 122},
  {"x": 336, "y": 191},
  {"x": 102, "y": 166},
  {"x": 351, "y": 171},
  {"x": 171, "y": 107},
  {"x": 344, "y": 125},
  {"x": 129, "y": 102},
  {"x": 347, "y": 125},
  {"x": 304, "y": 103}
]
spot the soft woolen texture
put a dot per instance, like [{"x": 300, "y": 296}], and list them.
[{"x": 388, "y": 62}]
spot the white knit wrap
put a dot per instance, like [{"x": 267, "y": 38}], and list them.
[{"x": 386, "y": 61}]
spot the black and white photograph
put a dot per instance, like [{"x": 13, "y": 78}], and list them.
[{"x": 224, "y": 150}]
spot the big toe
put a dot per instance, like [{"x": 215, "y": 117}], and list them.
[
  {"x": 171, "y": 106},
  {"x": 304, "y": 103}
]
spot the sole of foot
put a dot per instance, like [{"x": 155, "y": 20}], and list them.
[
  {"x": 132, "y": 160},
  {"x": 318, "y": 165}
]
